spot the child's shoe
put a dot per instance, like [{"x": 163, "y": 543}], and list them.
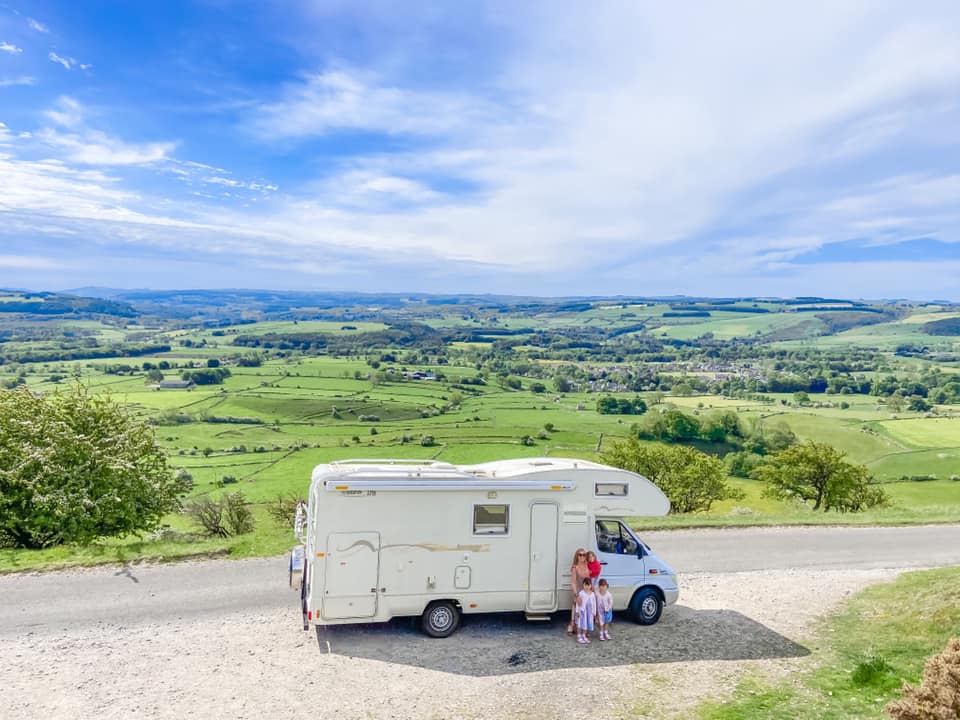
[
  {"x": 582, "y": 640},
  {"x": 607, "y": 636}
]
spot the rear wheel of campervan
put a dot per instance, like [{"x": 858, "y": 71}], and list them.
[
  {"x": 646, "y": 606},
  {"x": 440, "y": 619}
]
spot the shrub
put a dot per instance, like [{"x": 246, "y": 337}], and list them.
[
  {"x": 237, "y": 515},
  {"x": 938, "y": 695},
  {"x": 527, "y": 440},
  {"x": 428, "y": 441},
  {"x": 872, "y": 670},
  {"x": 224, "y": 517}
]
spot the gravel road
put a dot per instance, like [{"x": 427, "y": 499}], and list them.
[{"x": 158, "y": 642}]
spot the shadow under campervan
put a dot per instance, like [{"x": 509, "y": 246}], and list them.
[{"x": 383, "y": 539}]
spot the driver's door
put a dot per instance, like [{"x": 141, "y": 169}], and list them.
[{"x": 617, "y": 551}]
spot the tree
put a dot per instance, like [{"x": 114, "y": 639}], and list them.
[
  {"x": 679, "y": 426},
  {"x": 692, "y": 480},
  {"x": 76, "y": 467},
  {"x": 609, "y": 405},
  {"x": 817, "y": 473}
]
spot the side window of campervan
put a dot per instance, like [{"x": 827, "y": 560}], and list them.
[
  {"x": 608, "y": 489},
  {"x": 491, "y": 519}
]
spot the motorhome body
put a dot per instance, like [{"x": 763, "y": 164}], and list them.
[{"x": 384, "y": 539}]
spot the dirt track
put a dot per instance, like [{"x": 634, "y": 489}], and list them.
[{"x": 253, "y": 664}]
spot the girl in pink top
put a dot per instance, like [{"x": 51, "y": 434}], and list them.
[{"x": 604, "y": 609}]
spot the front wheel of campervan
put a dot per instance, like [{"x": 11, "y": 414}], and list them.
[
  {"x": 646, "y": 606},
  {"x": 440, "y": 619}
]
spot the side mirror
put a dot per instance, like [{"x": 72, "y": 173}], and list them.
[{"x": 640, "y": 551}]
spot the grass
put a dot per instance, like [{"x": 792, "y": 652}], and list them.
[{"x": 861, "y": 655}]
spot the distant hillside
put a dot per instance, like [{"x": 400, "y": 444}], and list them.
[
  {"x": 43, "y": 303},
  {"x": 947, "y": 326}
]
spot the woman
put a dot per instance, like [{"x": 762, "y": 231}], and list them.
[{"x": 579, "y": 571}]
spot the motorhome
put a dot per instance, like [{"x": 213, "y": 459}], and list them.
[{"x": 384, "y": 539}]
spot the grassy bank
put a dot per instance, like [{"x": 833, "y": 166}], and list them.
[
  {"x": 862, "y": 655},
  {"x": 268, "y": 540}
]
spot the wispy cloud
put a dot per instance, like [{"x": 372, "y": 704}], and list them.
[
  {"x": 68, "y": 63},
  {"x": 242, "y": 184},
  {"x": 88, "y": 146},
  {"x": 27, "y": 262},
  {"x": 67, "y": 113},
  {"x": 93, "y": 147},
  {"x": 22, "y": 80},
  {"x": 37, "y": 26},
  {"x": 9, "y": 48},
  {"x": 342, "y": 99}
]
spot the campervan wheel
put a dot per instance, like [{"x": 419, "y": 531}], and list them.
[
  {"x": 646, "y": 606},
  {"x": 440, "y": 619}
]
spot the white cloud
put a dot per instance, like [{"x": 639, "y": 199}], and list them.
[
  {"x": 342, "y": 99},
  {"x": 37, "y": 26},
  {"x": 68, "y": 112},
  {"x": 22, "y": 80},
  {"x": 87, "y": 146},
  {"x": 244, "y": 184},
  {"x": 27, "y": 262},
  {"x": 92, "y": 147},
  {"x": 67, "y": 62},
  {"x": 8, "y": 48}
]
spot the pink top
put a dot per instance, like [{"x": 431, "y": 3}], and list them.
[{"x": 604, "y": 602}]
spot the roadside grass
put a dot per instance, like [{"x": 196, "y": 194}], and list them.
[{"x": 862, "y": 655}]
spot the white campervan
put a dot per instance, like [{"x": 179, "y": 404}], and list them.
[{"x": 384, "y": 539}]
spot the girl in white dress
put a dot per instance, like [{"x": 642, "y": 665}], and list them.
[{"x": 586, "y": 611}]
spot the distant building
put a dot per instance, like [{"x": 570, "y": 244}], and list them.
[{"x": 175, "y": 384}]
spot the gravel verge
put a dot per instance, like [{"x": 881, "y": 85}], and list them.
[{"x": 260, "y": 664}]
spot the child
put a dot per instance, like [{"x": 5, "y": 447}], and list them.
[
  {"x": 594, "y": 566},
  {"x": 586, "y": 611},
  {"x": 604, "y": 609}
]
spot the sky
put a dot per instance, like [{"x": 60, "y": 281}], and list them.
[{"x": 635, "y": 148}]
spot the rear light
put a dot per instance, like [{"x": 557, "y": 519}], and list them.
[{"x": 309, "y": 614}]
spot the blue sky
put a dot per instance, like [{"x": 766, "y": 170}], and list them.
[{"x": 743, "y": 148}]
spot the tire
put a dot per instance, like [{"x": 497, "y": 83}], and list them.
[
  {"x": 646, "y": 606},
  {"x": 440, "y": 619}
]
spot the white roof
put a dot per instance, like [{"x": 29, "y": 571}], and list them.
[{"x": 500, "y": 469}]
